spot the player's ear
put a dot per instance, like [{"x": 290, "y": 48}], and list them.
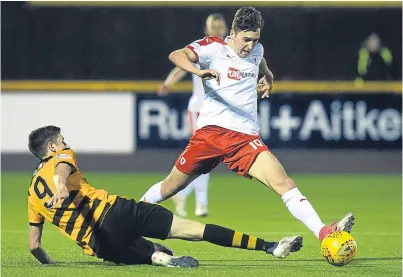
[
  {"x": 232, "y": 34},
  {"x": 52, "y": 146}
]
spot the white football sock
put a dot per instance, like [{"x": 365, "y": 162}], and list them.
[
  {"x": 153, "y": 194},
  {"x": 301, "y": 209},
  {"x": 201, "y": 185}
]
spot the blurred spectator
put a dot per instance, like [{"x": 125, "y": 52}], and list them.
[{"x": 374, "y": 60}]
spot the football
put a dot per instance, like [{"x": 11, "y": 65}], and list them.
[{"x": 339, "y": 248}]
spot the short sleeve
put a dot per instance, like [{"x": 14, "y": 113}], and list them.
[
  {"x": 34, "y": 217},
  {"x": 204, "y": 49},
  {"x": 68, "y": 157}
]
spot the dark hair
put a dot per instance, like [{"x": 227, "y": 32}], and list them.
[
  {"x": 39, "y": 139},
  {"x": 247, "y": 19}
]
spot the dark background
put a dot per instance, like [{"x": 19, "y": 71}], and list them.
[{"x": 134, "y": 42}]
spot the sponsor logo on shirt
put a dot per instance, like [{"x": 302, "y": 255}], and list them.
[
  {"x": 63, "y": 156},
  {"x": 235, "y": 74}
]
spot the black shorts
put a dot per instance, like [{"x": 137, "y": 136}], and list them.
[{"x": 119, "y": 239}]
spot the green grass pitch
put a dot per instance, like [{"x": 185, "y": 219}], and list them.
[{"x": 237, "y": 203}]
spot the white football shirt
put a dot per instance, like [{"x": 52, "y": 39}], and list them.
[
  {"x": 196, "y": 100},
  {"x": 233, "y": 103}
]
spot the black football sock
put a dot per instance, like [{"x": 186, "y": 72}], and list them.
[{"x": 229, "y": 238}]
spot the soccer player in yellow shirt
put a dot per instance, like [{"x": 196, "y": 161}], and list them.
[{"x": 112, "y": 227}]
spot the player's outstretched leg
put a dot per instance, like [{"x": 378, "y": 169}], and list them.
[
  {"x": 268, "y": 170},
  {"x": 194, "y": 231},
  {"x": 154, "y": 221}
]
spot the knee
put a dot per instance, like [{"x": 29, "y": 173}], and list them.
[
  {"x": 283, "y": 185},
  {"x": 186, "y": 229},
  {"x": 196, "y": 230}
]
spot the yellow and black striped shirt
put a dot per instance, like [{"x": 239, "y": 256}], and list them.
[{"x": 78, "y": 214}]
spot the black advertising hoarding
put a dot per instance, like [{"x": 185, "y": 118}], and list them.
[
  {"x": 112, "y": 43},
  {"x": 292, "y": 121}
]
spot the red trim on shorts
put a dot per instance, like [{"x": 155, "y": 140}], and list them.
[{"x": 194, "y": 52}]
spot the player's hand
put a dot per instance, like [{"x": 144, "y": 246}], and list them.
[
  {"x": 209, "y": 74},
  {"x": 61, "y": 194},
  {"x": 163, "y": 89},
  {"x": 265, "y": 85}
]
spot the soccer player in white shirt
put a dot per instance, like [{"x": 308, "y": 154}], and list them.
[
  {"x": 215, "y": 27},
  {"x": 228, "y": 128}
]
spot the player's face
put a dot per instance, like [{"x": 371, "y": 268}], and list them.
[
  {"x": 216, "y": 28},
  {"x": 373, "y": 43},
  {"x": 58, "y": 145},
  {"x": 244, "y": 41}
]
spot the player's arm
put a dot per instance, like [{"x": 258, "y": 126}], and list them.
[
  {"x": 62, "y": 171},
  {"x": 35, "y": 236},
  {"x": 184, "y": 59},
  {"x": 264, "y": 69},
  {"x": 174, "y": 77},
  {"x": 266, "y": 82}
]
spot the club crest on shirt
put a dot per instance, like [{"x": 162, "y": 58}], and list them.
[{"x": 254, "y": 59}]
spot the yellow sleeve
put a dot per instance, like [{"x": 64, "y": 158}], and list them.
[
  {"x": 386, "y": 55},
  {"x": 362, "y": 65},
  {"x": 34, "y": 217},
  {"x": 68, "y": 157}
]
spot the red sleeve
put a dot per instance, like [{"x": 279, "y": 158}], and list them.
[
  {"x": 205, "y": 49},
  {"x": 194, "y": 52}
]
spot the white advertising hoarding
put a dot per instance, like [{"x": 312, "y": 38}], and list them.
[{"x": 90, "y": 122}]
